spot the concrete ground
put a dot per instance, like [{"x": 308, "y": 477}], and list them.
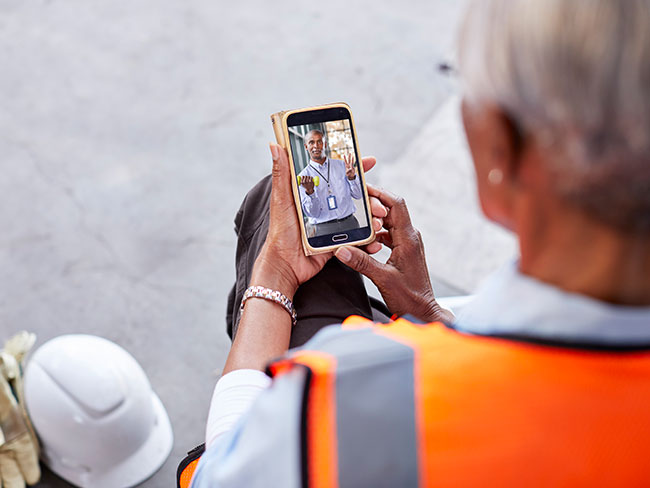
[{"x": 130, "y": 132}]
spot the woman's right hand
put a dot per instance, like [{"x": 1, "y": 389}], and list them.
[{"x": 403, "y": 280}]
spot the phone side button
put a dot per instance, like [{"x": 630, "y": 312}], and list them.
[{"x": 339, "y": 237}]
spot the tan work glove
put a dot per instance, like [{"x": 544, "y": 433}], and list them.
[{"x": 18, "y": 444}]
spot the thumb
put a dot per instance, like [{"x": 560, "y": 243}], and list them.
[
  {"x": 281, "y": 182},
  {"x": 360, "y": 261}
]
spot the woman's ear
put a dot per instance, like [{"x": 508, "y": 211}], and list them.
[{"x": 496, "y": 147}]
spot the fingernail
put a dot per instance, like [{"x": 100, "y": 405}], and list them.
[
  {"x": 343, "y": 254},
  {"x": 385, "y": 211},
  {"x": 274, "y": 151}
]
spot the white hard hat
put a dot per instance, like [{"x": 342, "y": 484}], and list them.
[{"x": 100, "y": 423}]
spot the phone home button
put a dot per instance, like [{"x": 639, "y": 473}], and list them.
[{"x": 339, "y": 237}]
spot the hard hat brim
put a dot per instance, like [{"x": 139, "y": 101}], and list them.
[
  {"x": 141, "y": 465},
  {"x": 146, "y": 460}
]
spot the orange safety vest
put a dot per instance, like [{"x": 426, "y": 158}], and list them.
[
  {"x": 187, "y": 466},
  {"x": 487, "y": 412},
  {"x": 406, "y": 404}
]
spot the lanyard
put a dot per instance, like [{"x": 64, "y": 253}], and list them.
[{"x": 327, "y": 180}]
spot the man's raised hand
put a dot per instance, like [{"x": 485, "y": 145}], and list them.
[
  {"x": 350, "y": 170},
  {"x": 308, "y": 184}
]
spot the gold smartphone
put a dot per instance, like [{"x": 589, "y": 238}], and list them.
[{"x": 327, "y": 178}]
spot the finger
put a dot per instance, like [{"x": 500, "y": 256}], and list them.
[
  {"x": 368, "y": 162},
  {"x": 398, "y": 214},
  {"x": 373, "y": 247},
  {"x": 386, "y": 197},
  {"x": 377, "y": 209},
  {"x": 280, "y": 172},
  {"x": 377, "y": 224},
  {"x": 11, "y": 477},
  {"x": 27, "y": 459},
  {"x": 281, "y": 195},
  {"x": 384, "y": 238},
  {"x": 360, "y": 261},
  {"x": 398, "y": 217}
]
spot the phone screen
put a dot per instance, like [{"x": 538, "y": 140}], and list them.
[{"x": 330, "y": 183}]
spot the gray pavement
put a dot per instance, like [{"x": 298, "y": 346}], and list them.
[{"x": 130, "y": 132}]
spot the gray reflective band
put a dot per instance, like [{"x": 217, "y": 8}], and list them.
[{"x": 375, "y": 410}]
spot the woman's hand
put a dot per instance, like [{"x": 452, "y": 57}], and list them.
[
  {"x": 282, "y": 264},
  {"x": 404, "y": 280}
]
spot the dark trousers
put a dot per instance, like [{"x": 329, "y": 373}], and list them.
[
  {"x": 328, "y": 298},
  {"x": 340, "y": 225}
]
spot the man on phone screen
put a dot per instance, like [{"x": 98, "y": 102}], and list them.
[{"x": 329, "y": 205}]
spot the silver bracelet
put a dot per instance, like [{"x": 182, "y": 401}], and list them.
[{"x": 272, "y": 296}]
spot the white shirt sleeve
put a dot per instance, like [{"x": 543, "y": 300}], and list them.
[
  {"x": 233, "y": 396},
  {"x": 262, "y": 448},
  {"x": 355, "y": 187},
  {"x": 310, "y": 203}
]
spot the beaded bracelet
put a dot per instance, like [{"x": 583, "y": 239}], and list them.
[{"x": 271, "y": 295}]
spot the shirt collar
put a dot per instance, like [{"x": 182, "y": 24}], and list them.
[
  {"x": 314, "y": 164},
  {"x": 511, "y": 303}
]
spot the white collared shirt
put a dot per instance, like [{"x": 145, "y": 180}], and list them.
[{"x": 512, "y": 303}]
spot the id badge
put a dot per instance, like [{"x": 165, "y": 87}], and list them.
[{"x": 331, "y": 202}]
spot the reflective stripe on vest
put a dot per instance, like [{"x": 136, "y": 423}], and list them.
[{"x": 424, "y": 405}]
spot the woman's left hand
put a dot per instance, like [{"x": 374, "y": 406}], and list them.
[{"x": 282, "y": 264}]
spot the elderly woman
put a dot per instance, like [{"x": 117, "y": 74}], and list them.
[{"x": 545, "y": 378}]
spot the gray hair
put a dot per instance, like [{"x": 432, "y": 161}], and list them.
[
  {"x": 576, "y": 74},
  {"x": 314, "y": 131}
]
